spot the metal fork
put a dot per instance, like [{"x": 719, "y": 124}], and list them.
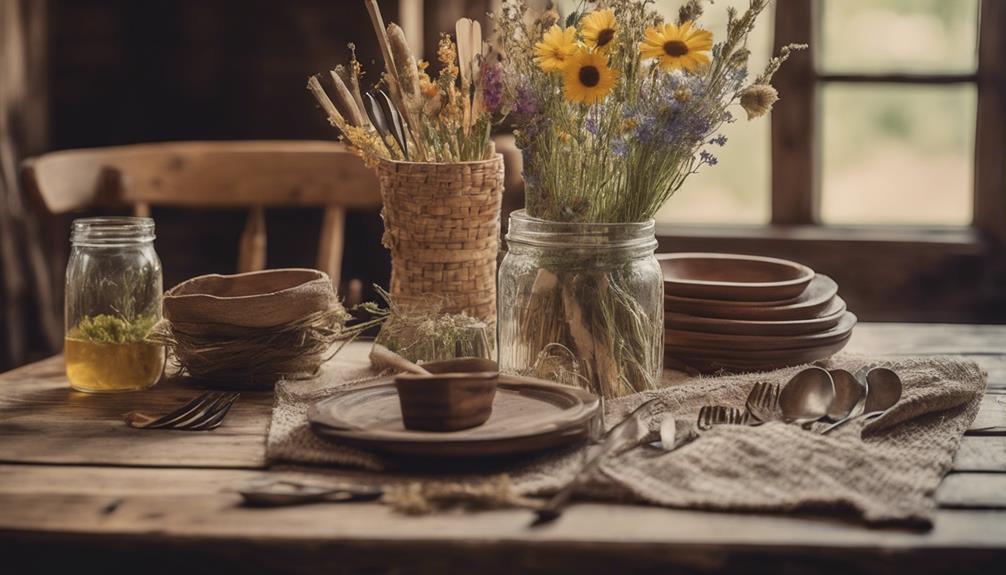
[
  {"x": 713, "y": 415},
  {"x": 203, "y": 413},
  {"x": 763, "y": 402}
]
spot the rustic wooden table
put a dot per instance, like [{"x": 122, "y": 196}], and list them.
[{"x": 80, "y": 490}]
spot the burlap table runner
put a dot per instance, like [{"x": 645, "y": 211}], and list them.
[{"x": 886, "y": 471}]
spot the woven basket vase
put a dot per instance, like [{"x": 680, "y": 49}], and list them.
[{"x": 442, "y": 226}]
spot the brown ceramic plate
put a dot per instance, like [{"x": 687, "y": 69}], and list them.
[
  {"x": 706, "y": 362},
  {"x": 808, "y": 305},
  {"x": 733, "y": 277},
  {"x": 732, "y": 342},
  {"x": 528, "y": 415},
  {"x": 828, "y": 319}
]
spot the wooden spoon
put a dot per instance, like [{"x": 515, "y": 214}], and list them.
[{"x": 383, "y": 357}]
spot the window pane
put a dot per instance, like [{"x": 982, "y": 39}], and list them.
[
  {"x": 895, "y": 154},
  {"x": 898, "y": 35},
  {"x": 737, "y": 189}
]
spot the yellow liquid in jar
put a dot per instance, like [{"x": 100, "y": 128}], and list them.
[{"x": 99, "y": 367}]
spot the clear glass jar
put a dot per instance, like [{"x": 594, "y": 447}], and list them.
[
  {"x": 113, "y": 299},
  {"x": 582, "y": 303}
]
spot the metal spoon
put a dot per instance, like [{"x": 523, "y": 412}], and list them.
[
  {"x": 849, "y": 393},
  {"x": 806, "y": 397},
  {"x": 883, "y": 391},
  {"x": 886, "y": 388}
]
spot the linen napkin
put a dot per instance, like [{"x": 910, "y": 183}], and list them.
[{"x": 884, "y": 471}]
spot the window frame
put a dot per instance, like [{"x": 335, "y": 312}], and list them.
[
  {"x": 795, "y": 146},
  {"x": 886, "y": 273},
  {"x": 795, "y": 126}
]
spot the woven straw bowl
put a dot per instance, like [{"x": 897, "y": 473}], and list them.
[{"x": 218, "y": 303}]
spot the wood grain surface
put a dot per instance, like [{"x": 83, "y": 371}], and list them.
[{"x": 78, "y": 488}]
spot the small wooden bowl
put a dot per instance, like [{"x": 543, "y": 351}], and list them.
[
  {"x": 459, "y": 395},
  {"x": 733, "y": 277}
]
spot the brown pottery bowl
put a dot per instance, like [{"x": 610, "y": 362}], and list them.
[
  {"x": 459, "y": 395},
  {"x": 733, "y": 277}
]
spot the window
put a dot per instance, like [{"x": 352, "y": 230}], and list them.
[
  {"x": 896, "y": 149},
  {"x": 886, "y": 158},
  {"x": 876, "y": 126}
]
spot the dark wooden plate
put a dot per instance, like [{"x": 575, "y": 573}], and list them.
[
  {"x": 733, "y": 277},
  {"x": 828, "y": 319},
  {"x": 732, "y": 342},
  {"x": 528, "y": 415},
  {"x": 808, "y": 305},
  {"x": 706, "y": 362}
]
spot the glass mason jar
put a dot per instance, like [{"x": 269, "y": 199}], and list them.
[
  {"x": 582, "y": 303},
  {"x": 113, "y": 299}
]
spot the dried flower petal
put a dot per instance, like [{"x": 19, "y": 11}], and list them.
[{"x": 757, "y": 99}]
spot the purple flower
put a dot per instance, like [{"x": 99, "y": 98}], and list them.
[
  {"x": 736, "y": 77},
  {"x": 525, "y": 106},
  {"x": 719, "y": 140},
  {"x": 492, "y": 86},
  {"x": 620, "y": 148},
  {"x": 706, "y": 158}
]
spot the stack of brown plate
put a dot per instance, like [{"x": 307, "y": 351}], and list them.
[{"x": 748, "y": 313}]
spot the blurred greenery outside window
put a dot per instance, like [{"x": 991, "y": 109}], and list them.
[{"x": 896, "y": 102}]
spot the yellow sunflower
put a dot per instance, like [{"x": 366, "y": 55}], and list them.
[
  {"x": 677, "y": 46},
  {"x": 587, "y": 77},
  {"x": 555, "y": 48},
  {"x": 600, "y": 29}
]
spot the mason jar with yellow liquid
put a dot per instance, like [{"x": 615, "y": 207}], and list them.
[{"x": 113, "y": 299}]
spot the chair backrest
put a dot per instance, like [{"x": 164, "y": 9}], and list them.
[{"x": 248, "y": 174}]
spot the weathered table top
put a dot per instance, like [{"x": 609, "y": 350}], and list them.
[{"x": 80, "y": 489}]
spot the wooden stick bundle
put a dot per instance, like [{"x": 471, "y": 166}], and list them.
[{"x": 440, "y": 121}]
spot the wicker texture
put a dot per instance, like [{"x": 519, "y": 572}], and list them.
[{"x": 442, "y": 226}]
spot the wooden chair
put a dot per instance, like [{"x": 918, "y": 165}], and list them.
[{"x": 250, "y": 174}]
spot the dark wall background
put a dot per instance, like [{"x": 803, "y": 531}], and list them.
[{"x": 127, "y": 71}]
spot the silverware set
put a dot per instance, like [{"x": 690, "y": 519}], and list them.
[
  {"x": 813, "y": 395},
  {"x": 204, "y": 413}
]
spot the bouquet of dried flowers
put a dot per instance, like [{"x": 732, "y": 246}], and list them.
[
  {"x": 616, "y": 107},
  {"x": 411, "y": 115},
  {"x": 428, "y": 137},
  {"x": 613, "y": 109}
]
